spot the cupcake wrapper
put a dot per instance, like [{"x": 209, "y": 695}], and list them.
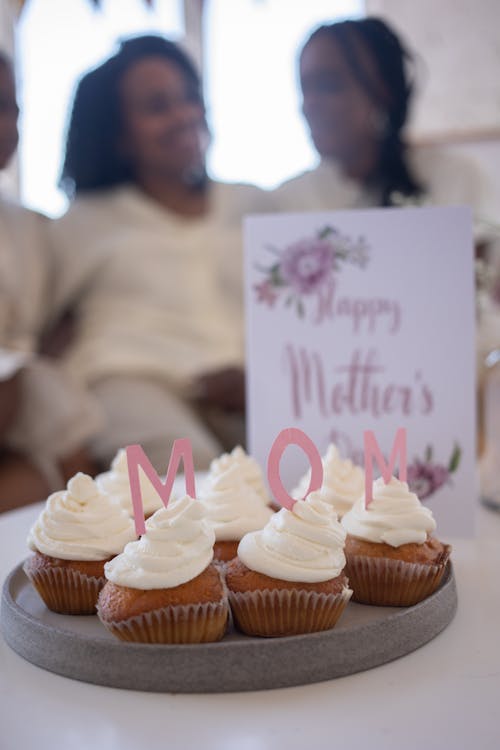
[
  {"x": 182, "y": 623},
  {"x": 392, "y": 583},
  {"x": 273, "y": 613},
  {"x": 66, "y": 591}
]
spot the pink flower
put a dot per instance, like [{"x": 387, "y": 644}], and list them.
[
  {"x": 265, "y": 293},
  {"x": 307, "y": 264},
  {"x": 424, "y": 479}
]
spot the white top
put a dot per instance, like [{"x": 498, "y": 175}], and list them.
[
  {"x": 54, "y": 417},
  {"x": 444, "y": 695},
  {"x": 156, "y": 294},
  {"x": 448, "y": 179},
  {"x": 24, "y": 268}
]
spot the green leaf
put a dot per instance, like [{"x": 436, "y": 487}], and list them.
[
  {"x": 325, "y": 232},
  {"x": 428, "y": 454},
  {"x": 300, "y": 308},
  {"x": 455, "y": 459},
  {"x": 289, "y": 300},
  {"x": 274, "y": 275}
]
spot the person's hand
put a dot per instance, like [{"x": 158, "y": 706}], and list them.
[{"x": 224, "y": 389}]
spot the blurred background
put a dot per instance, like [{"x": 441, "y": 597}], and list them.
[{"x": 246, "y": 50}]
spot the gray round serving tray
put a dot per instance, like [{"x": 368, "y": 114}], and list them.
[{"x": 81, "y": 648}]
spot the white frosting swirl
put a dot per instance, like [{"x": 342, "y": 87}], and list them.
[
  {"x": 395, "y": 516},
  {"x": 117, "y": 485},
  {"x": 343, "y": 482},
  {"x": 232, "y": 507},
  {"x": 177, "y": 547},
  {"x": 81, "y": 523},
  {"x": 304, "y": 545},
  {"x": 249, "y": 470}
]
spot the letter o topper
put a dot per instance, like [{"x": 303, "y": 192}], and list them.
[{"x": 292, "y": 436}]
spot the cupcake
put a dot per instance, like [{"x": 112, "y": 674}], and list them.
[
  {"x": 392, "y": 559},
  {"x": 116, "y": 484},
  {"x": 164, "y": 587},
  {"x": 289, "y": 577},
  {"x": 343, "y": 482},
  {"x": 77, "y": 532},
  {"x": 232, "y": 508},
  {"x": 248, "y": 468}
]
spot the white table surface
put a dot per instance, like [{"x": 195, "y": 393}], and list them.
[{"x": 445, "y": 695}]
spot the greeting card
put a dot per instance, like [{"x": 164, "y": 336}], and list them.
[{"x": 365, "y": 320}]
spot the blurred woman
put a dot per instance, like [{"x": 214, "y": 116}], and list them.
[
  {"x": 45, "y": 420},
  {"x": 357, "y": 89},
  {"x": 149, "y": 256}
]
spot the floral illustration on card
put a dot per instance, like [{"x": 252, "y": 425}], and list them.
[
  {"x": 306, "y": 269},
  {"x": 426, "y": 476}
]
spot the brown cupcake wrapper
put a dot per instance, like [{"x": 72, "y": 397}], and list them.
[
  {"x": 181, "y": 623},
  {"x": 65, "y": 590},
  {"x": 273, "y": 613},
  {"x": 392, "y": 583}
]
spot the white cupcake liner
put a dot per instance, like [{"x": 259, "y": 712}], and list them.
[
  {"x": 181, "y": 623},
  {"x": 392, "y": 583},
  {"x": 222, "y": 568},
  {"x": 65, "y": 590},
  {"x": 279, "y": 612}
]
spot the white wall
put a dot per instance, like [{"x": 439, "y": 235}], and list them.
[
  {"x": 7, "y": 16},
  {"x": 458, "y": 103},
  {"x": 459, "y": 45}
]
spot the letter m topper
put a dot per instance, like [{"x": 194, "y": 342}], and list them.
[
  {"x": 373, "y": 452},
  {"x": 136, "y": 457}
]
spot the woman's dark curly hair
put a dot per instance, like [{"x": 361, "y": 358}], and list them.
[
  {"x": 4, "y": 60},
  {"x": 393, "y": 61},
  {"x": 92, "y": 160}
]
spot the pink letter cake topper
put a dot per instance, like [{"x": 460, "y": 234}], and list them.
[
  {"x": 372, "y": 451},
  {"x": 136, "y": 457},
  {"x": 292, "y": 436}
]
